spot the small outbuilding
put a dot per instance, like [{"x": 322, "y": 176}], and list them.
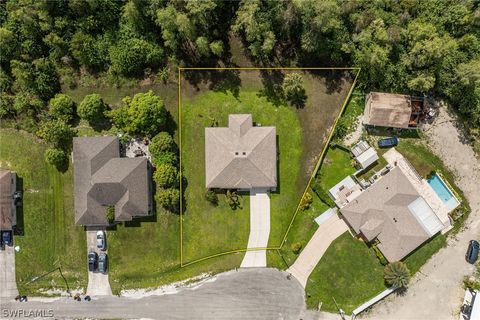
[
  {"x": 364, "y": 154},
  {"x": 394, "y": 110}
]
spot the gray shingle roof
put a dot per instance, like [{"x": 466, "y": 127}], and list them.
[
  {"x": 102, "y": 178},
  {"x": 382, "y": 212},
  {"x": 241, "y": 155}
]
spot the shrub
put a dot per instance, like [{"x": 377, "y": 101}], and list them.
[
  {"x": 380, "y": 256},
  {"x": 162, "y": 142},
  {"x": 165, "y": 158},
  {"x": 296, "y": 247},
  {"x": 211, "y": 197},
  {"x": 233, "y": 199},
  {"x": 92, "y": 108},
  {"x": 306, "y": 201},
  {"x": 396, "y": 274},
  {"x": 110, "y": 213},
  {"x": 144, "y": 114},
  {"x": 57, "y": 132},
  {"x": 166, "y": 175},
  {"x": 168, "y": 199},
  {"x": 56, "y": 157},
  {"x": 321, "y": 193},
  {"x": 62, "y": 107}
]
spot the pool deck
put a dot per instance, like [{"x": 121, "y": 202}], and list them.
[{"x": 395, "y": 158}]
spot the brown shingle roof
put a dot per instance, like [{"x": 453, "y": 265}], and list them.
[
  {"x": 241, "y": 155},
  {"x": 6, "y": 201},
  {"x": 102, "y": 178},
  {"x": 382, "y": 212},
  {"x": 387, "y": 110}
]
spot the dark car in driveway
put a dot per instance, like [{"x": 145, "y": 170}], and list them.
[
  {"x": 388, "y": 142},
  {"x": 92, "y": 261},
  {"x": 472, "y": 252},
  {"x": 102, "y": 263},
  {"x": 7, "y": 238}
]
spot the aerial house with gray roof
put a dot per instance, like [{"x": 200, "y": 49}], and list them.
[
  {"x": 241, "y": 156},
  {"x": 393, "y": 214},
  {"x": 102, "y": 178}
]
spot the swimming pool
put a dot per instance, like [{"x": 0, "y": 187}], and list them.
[{"x": 443, "y": 192}]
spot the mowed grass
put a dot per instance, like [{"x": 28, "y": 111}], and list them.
[
  {"x": 50, "y": 238},
  {"x": 336, "y": 166},
  {"x": 348, "y": 272},
  {"x": 209, "y": 230}
]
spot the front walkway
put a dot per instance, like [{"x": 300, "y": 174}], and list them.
[
  {"x": 328, "y": 231},
  {"x": 259, "y": 229},
  {"x": 8, "y": 285},
  {"x": 98, "y": 284}
]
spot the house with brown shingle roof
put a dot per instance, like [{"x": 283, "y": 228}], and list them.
[
  {"x": 241, "y": 156},
  {"x": 393, "y": 110},
  {"x": 102, "y": 178},
  {"x": 8, "y": 210},
  {"x": 393, "y": 213}
]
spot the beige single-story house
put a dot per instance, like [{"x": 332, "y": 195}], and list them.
[
  {"x": 102, "y": 178},
  {"x": 8, "y": 209},
  {"x": 393, "y": 213},
  {"x": 241, "y": 156},
  {"x": 393, "y": 110}
]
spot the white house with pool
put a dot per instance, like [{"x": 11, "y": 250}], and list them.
[{"x": 399, "y": 211}]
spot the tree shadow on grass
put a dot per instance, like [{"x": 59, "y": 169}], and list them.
[
  {"x": 272, "y": 81},
  {"x": 216, "y": 80}
]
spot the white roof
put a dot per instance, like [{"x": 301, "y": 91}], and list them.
[
  {"x": 475, "y": 314},
  {"x": 347, "y": 182},
  {"x": 425, "y": 216},
  {"x": 326, "y": 215},
  {"x": 368, "y": 157}
]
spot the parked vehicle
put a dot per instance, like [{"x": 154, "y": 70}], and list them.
[
  {"x": 92, "y": 261},
  {"x": 103, "y": 263},
  {"x": 7, "y": 238},
  {"x": 388, "y": 142},
  {"x": 17, "y": 198},
  {"x": 472, "y": 251},
  {"x": 101, "y": 240}
]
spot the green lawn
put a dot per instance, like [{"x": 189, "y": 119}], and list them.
[
  {"x": 209, "y": 230},
  {"x": 50, "y": 238},
  {"x": 349, "y": 272},
  {"x": 336, "y": 166}
]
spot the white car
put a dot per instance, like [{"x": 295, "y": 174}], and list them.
[{"x": 101, "y": 240}]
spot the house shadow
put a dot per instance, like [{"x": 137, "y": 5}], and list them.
[
  {"x": 278, "y": 189},
  {"x": 389, "y": 132},
  {"x": 19, "y": 229}
]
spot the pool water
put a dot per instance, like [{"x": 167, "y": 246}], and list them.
[{"x": 443, "y": 192}]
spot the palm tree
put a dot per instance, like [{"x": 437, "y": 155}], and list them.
[
  {"x": 293, "y": 88},
  {"x": 396, "y": 274}
]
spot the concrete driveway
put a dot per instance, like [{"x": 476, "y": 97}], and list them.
[
  {"x": 98, "y": 284},
  {"x": 259, "y": 229},
  {"x": 328, "y": 231},
  {"x": 8, "y": 285}
]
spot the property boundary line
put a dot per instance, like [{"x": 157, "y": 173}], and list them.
[{"x": 314, "y": 172}]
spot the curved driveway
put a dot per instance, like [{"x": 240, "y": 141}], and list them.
[{"x": 246, "y": 294}]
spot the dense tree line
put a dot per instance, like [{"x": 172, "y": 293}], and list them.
[{"x": 421, "y": 47}]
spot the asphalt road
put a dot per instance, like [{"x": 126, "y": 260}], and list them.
[{"x": 244, "y": 294}]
